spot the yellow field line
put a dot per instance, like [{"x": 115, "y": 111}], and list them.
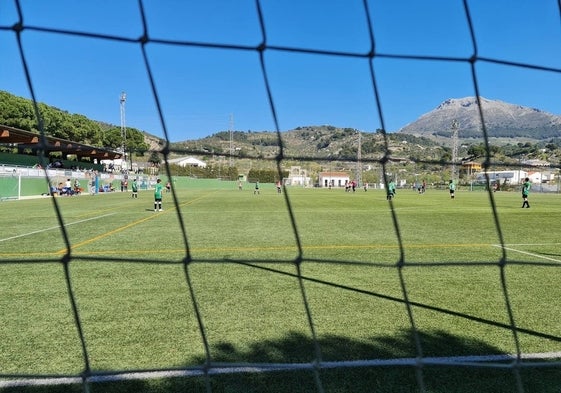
[
  {"x": 242, "y": 249},
  {"x": 116, "y": 230},
  {"x": 99, "y": 237},
  {"x": 291, "y": 248}
]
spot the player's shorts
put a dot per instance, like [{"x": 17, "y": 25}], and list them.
[{"x": 157, "y": 199}]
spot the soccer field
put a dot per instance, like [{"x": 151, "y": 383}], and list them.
[{"x": 280, "y": 291}]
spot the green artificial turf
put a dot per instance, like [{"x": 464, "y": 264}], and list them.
[{"x": 314, "y": 274}]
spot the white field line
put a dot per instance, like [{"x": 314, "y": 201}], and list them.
[
  {"x": 262, "y": 367},
  {"x": 55, "y": 227},
  {"x": 529, "y": 253}
]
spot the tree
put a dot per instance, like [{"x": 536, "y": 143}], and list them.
[
  {"x": 112, "y": 138},
  {"x": 154, "y": 158},
  {"x": 135, "y": 141},
  {"x": 476, "y": 150}
]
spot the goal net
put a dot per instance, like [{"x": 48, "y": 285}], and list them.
[
  {"x": 10, "y": 186},
  {"x": 149, "y": 39}
]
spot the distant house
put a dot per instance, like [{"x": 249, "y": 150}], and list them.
[
  {"x": 297, "y": 177},
  {"x": 511, "y": 177},
  {"x": 470, "y": 167},
  {"x": 333, "y": 179},
  {"x": 188, "y": 161},
  {"x": 536, "y": 162},
  {"x": 542, "y": 177}
]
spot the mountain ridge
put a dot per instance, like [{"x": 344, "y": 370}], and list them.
[
  {"x": 430, "y": 135},
  {"x": 501, "y": 119}
]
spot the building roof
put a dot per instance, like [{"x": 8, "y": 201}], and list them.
[
  {"x": 32, "y": 140},
  {"x": 536, "y": 162},
  {"x": 333, "y": 174},
  {"x": 472, "y": 164},
  {"x": 187, "y": 161}
]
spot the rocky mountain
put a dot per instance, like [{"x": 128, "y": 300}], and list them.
[
  {"x": 428, "y": 137},
  {"x": 502, "y": 120},
  {"x": 321, "y": 142}
]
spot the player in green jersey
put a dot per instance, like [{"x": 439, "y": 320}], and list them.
[
  {"x": 452, "y": 188},
  {"x": 134, "y": 189},
  {"x": 391, "y": 190},
  {"x": 525, "y": 192},
  {"x": 158, "y": 188}
]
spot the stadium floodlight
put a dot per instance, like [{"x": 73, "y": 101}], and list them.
[
  {"x": 122, "y": 101},
  {"x": 455, "y": 128},
  {"x": 358, "y": 176}
]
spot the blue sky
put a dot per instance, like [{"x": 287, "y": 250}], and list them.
[{"x": 207, "y": 90}]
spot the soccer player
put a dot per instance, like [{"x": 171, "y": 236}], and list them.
[
  {"x": 525, "y": 192},
  {"x": 134, "y": 189},
  {"x": 391, "y": 190},
  {"x": 158, "y": 188},
  {"x": 452, "y": 188}
]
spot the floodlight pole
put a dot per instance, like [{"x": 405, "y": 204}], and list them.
[
  {"x": 231, "y": 127},
  {"x": 122, "y": 101},
  {"x": 455, "y": 127},
  {"x": 358, "y": 160}
]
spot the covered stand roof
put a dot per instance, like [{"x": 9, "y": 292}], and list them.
[{"x": 28, "y": 139}]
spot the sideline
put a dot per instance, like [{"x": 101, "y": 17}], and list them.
[{"x": 55, "y": 227}]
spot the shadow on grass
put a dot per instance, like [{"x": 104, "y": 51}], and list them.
[{"x": 297, "y": 348}]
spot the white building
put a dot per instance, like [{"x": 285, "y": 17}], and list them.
[
  {"x": 333, "y": 179},
  {"x": 188, "y": 161},
  {"x": 510, "y": 177},
  {"x": 542, "y": 177},
  {"x": 536, "y": 162},
  {"x": 297, "y": 177},
  {"x": 115, "y": 165}
]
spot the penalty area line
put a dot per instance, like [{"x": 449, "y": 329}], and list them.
[
  {"x": 55, "y": 227},
  {"x": 528, "y": 253}
]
